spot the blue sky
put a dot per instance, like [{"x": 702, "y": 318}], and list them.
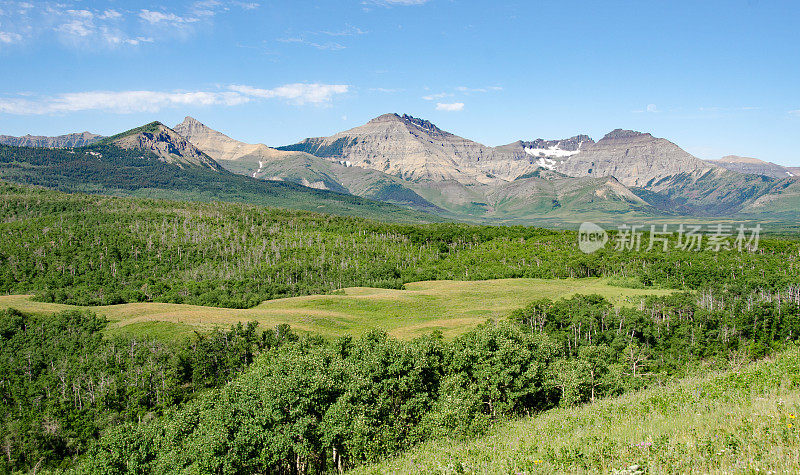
[{"x": 716, "y": 77}]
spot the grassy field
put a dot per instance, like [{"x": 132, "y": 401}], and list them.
[
  {"x": 450, "y": 306},
  {"x": 738, "y": 421}
]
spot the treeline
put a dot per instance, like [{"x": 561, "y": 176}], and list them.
[
  {"x": 317, "y": 407},
  {"x": 62, "y": 383},
  {"x": 90, "y": 250}
]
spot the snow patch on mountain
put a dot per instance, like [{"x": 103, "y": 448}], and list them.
[
  {"x": 260, "y": 167},
  {"x": 547, "y": 163},
  {"x": 553, "y": 151}
]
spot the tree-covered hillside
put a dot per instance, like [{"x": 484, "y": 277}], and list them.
[
  {"x": 90, "y": 250},
  {"x": 244, "y": 401},
  {"x": 322, "y": 407},
  {"x": 107, "y": 169}
]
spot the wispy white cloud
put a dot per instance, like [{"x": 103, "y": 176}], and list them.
[
  {"x": 298, "y": 93},
  {"x": 317, "y": 39},
  {"x": 466, "y": 89},
  {"x": 451, "y": 107},
  {"x": 795, "y": 112},
  {"x": 88, "y": 29},
  {"x": 463, "y": 90},
  {"x": 649, "y": 108},
  {"x": 347, "y": 31},
  {"x": 121, "y": 102},
  {"x": 110, "y": 15},
  {"x": 330, "y": 45},
  {"x": 433, "y": 97},
  {"x": 78, "y": 25},
  {"x": 154, "y": 17},
  {"x": 247, "y": 5},
  {"x": 7, "y": 37},
  {"x": 124, "y": 102}
]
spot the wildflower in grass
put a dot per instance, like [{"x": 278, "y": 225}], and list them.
[
  {"x": 789, "y": 425},
  {"x": 791, "y": 416}
]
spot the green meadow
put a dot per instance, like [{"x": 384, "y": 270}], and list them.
[{"x": 452, "y": 307}]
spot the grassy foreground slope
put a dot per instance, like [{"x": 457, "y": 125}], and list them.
[
  {"x": 743, "y": 420},
  {"x": 452, "y": 307}
]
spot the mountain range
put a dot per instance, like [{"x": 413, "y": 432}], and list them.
[
  {"x": 62, "y": 141},
  {"x": 410, "y": 162}
]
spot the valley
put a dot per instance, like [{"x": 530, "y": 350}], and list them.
[
  {"x": 399, "y": 237},
  {"x": 452, "y": 307},
  {"x": 165, "y": 331}
]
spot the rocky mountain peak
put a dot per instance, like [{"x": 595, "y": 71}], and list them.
[
  {"x": 390, "y": 117},
  {"x": 571, "y": 144},
  {"x": 227, "y": 150},
  {"x": 190, "y": 123},
  {"x": 423, "y": 124},
  {"x": 416, "y": 149},
  {"x": 191, "y": 127},
  {"x": 408, "y": 120},
  {"x": 168, "y": 145},
  {"x": 622, "y": 134},
  {"x": 191, "y": 120},
  {"x": 634, "y": 158}
]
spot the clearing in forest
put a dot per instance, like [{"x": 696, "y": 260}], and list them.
[{"x": 452, "y": 307}]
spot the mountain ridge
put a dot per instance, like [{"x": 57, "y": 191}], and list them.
[
  {"x": 76, "y": 139},
  {"x": 415, "y": 149},
  {"x": 634, "y": 158},
  {"x": 164, "y": 143},
  {"x": 411, "y": 162},
  {"x": 750, "y": 165}
]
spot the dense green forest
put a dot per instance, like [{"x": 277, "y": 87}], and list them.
[
  {"x": 62, "y": 382},
  {"x": 92, "y": 250},
  {"x": 72, "y": 399},
  {"x": 249, "y": 400}
]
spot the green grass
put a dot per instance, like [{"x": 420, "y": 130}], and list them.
[
  {"x": 744, "y": 420},
  {"x": 452, "y": 307}
]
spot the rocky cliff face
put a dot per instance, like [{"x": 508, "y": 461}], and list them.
[
  {"x": 61, "y": 141},
  {"x": 548, "y": 153},
  {"x": 633, "y": 158},
  {"x": 166, "y": 144},
  {"x": 415, "y": 149},
  {"x": 231, "y": 153},
  {"x": 216, "y": 144},
  {"x": 752, "y": 166},
  {"x": 550, "y": 148}
]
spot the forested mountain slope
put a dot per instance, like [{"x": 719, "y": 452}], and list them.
[
  {"x": 74, "y": 399},
  {"x": 109, "y": 169},
  {"x": 87, "y": 249}
]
